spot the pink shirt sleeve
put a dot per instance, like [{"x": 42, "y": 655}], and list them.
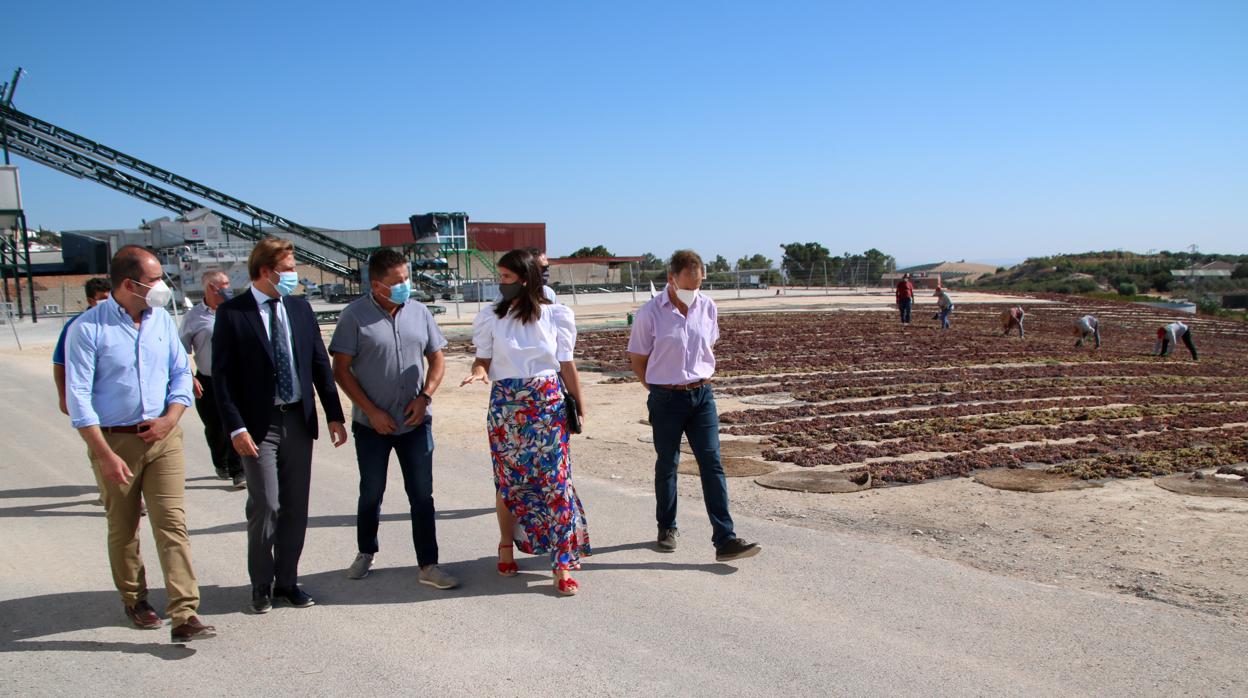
[{"x": 641, "y": 339}]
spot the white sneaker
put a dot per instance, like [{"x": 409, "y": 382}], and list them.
[
  {"x": 435, "y": 577},
  {"x": 361, "y": 567}
]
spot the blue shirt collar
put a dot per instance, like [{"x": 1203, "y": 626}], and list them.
[{"x": 121, "y": 311}]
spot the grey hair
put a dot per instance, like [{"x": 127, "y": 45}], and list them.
[{"x": 210, "y": 275}]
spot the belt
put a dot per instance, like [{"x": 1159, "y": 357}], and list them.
[
  {"x": 131, "y": 429},
  {"x": 687, "y": 386},
  {"x": 288, "y": 406}
]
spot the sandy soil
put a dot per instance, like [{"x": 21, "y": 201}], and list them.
[{"x": 1127, "y": 537}]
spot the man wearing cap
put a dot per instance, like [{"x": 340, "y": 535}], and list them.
[
  {"x": 1168, "y": 337},
  {"x": 670, "y": 349}
]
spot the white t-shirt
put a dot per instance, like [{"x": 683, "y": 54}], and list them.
[
  {"x": 550, "y": 294},
  {"x": 520, "y": 350}
]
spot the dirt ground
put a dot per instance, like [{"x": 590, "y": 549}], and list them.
[{"x": 1129, "y": 536}]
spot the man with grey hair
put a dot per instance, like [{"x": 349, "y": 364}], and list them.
[{"x": 196, "y": 337}]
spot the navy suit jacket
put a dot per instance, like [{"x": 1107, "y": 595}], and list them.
[{"x": 244, "y": 379}]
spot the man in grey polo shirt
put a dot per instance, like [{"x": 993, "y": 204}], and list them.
[
  {"x": 196, "y": 335},
  {"x": 379, "y": 350}
]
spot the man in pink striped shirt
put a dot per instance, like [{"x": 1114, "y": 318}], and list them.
[{"x": 671, "y": 352}]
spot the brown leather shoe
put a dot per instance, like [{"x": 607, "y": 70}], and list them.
[
  {"x": 192, "y": 629},
  {"x": 143, "y": 616}
]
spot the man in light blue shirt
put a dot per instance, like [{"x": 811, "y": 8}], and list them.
[
  {"x": 128, "y": 383},
  {"x": 96, "y": 291}
]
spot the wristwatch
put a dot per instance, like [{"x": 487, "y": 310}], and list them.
[{"x": 428, "y": 398}]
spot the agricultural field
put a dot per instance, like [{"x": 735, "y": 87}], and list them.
[{"x": 854, "y": 391}]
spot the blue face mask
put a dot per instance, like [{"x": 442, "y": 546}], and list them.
[
  {"x": 400, "y": 292},
  {"x": 226, "y": 292},
  {"x": 287, "y": 282}
]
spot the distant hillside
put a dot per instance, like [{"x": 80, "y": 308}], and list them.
[{"x": 1127, "y": 273}]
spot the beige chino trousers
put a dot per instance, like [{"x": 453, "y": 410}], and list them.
[{"x": 159, "y": 479}]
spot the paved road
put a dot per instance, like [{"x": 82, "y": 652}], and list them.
[{"x": 816, "y": 614}]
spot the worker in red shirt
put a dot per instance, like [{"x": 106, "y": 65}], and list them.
[{"x": 905, "y": 298}]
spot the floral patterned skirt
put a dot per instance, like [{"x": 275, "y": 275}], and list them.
[{"x": 533, "y": 470}]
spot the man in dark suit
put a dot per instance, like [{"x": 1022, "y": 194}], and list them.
[{"x": 267, "y": 355}]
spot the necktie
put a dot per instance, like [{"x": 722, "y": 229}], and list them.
[{"x": 281, "y": 354}]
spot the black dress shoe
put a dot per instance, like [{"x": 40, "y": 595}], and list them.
[
  {"x": 192, "y": 629},
  {"x": 736, "y": 549},
  {"x": 261, "y": 598},
  {"x": 294, "y": 596},
  {"x": 143, "y": 616}
]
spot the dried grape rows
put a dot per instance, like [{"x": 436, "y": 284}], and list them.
[{"x": 915, "y": 404}]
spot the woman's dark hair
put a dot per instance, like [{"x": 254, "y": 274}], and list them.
[{"x": 528, "y": 305}]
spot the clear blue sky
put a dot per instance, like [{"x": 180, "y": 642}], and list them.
[{"x": 930, "y": 130}]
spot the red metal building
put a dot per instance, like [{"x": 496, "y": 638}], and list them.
[
  {"x": 487, "y": 237},
  {"x": 502, "y": 237}
]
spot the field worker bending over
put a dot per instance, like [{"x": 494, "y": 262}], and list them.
[
  {"x": 1169, "y": 335},
  {"x": 1012, "y": 318},
  {"x": 1087, "y": 326},
  {"x": 945, "y": 305}
]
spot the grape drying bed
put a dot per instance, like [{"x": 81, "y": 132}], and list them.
[{"x": 913, "y": 405}]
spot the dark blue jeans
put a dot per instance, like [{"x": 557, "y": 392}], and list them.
[
  {"x": 415, "y": 451},
  {"x": 904, "y": 306},
  {"x": 693, "y": 414}
]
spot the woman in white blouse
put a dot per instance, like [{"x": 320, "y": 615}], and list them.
[{"x": 524, "y": 345}]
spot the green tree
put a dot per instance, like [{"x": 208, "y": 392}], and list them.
[
  {"x": 717, "y": 265},
  {"x": 804, "y": 261},
  {"x": 878, "y": 264},
  {"x": 596, "y": 251},
  {"x": 651, "y": 261},
  {"x": 754, "y": 263}
]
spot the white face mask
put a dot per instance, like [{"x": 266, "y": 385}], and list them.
[
  {"x": 687, "y": 297},
  {"x": 158, "y": 294}
]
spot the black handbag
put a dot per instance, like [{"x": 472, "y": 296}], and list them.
[{"x": 571, "y": 408}]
